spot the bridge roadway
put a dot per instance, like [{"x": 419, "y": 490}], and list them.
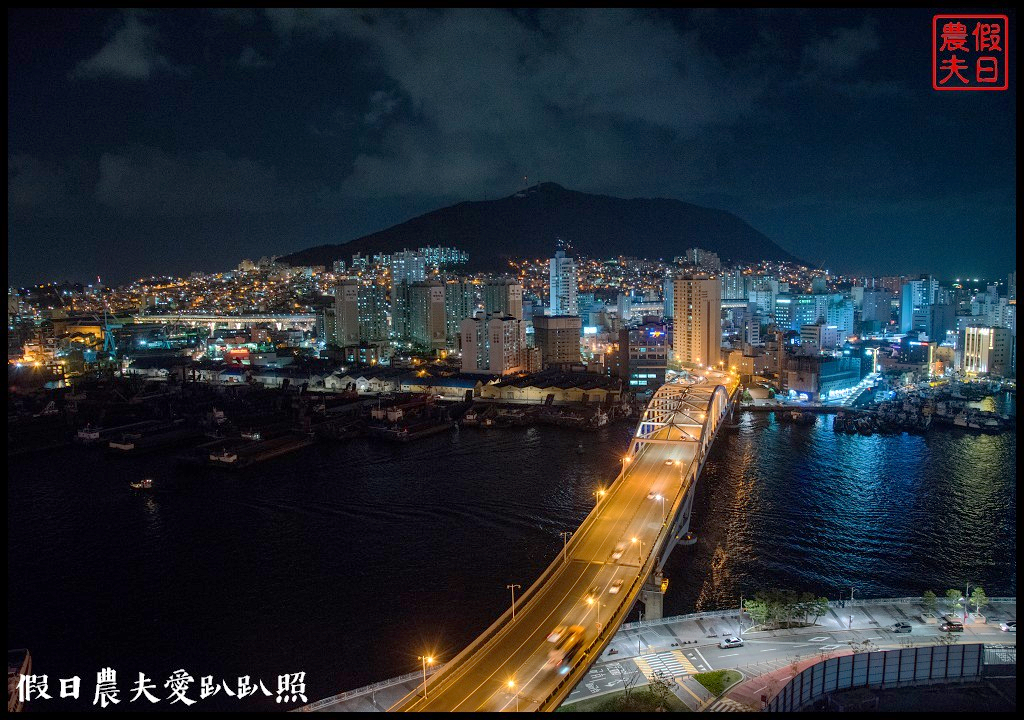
[{"x": 665, "y": 462}]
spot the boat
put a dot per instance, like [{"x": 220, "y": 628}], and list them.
[
  {"x": 88, "y": 434},
  {"x": 144, "y": 484},
  {"x": 579, "y": 449},
  {"x": 251, "y": 435},
  {"x": 19, "y": 662},
  {"x": 224, "y": 456}
]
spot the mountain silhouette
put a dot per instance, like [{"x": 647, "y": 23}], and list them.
[{"x": 530, "y": 222}]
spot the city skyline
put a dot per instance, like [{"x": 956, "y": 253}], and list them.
[{"x": 135, "y": 137}]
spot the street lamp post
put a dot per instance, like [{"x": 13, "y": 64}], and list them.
[
  {"x": 662, "y": 498},
  {"x": 640, "y": 554},
  {"x": 851, "y": 594},
  {"x": 513, "y": 589},
  {"x": 565, "y": 541},
  {"x": 427, "y": 660},
  {"x": 967, "y": 598},
  {"x": 594, "y": 602},
  {"x": 598, "y": 494},
  {"x": 512, "y": 687}
]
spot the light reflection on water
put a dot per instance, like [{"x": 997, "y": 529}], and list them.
[{"x": 347, "y": 560}]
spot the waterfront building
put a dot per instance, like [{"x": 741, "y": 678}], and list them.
[
  {"x": 821, "y": 377},
  {"x": 988, "y": 351},
  {"x": 558, "y": 338},
  {"x": 492, "y": 344},
  {"x": 643, "y": 356},
  {"x": 564, "y": 285},
  {"x": 697, "y": 320}
]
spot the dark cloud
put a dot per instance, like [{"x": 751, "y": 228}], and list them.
[
  {"x": 131, "y": 53},
  {"x": 812, "y": 125}
]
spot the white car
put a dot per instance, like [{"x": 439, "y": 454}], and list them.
[
  {"x": 730, "y": 642},
  {"x": 1008, "y": 626},
  {"x": 616, "y": 586},
  {"x": 556, "y": 634},
  {"x": 669, "y": 462},
  {"x": 617, "y": 552},
  {"x": 651, "y": 495}
]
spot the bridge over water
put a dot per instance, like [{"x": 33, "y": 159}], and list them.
[{"x": 644, "y": 514}]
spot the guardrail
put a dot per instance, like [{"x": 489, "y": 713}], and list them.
[{"x": 366, "y": 690}]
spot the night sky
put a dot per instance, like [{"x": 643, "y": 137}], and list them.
[{"x": 145, "y": 142}]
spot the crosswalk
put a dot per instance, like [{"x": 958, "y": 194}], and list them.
[
  {"x": 672, "y": 664},
  {"x": 727, "y": 705}
]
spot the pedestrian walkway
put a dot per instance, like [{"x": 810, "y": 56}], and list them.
[
  {"x": 671, "y": 664},
  {"x": 728, "y": 705}
]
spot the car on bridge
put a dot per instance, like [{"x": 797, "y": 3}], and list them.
[
  {"x": 561, "y": 656},
  {"x": 617, "y": 552},
  {"x": 901, "y": 627},
  {"x": 730, "y": 642},
  {"x": 1008, "y": 626},
  {"x": 556, "y": 634},
  {"x": 615, "y": 587}
]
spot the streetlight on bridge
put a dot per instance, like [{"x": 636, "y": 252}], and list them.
[
  {"x": 565, "y": 542},
  {"x": 592, "y": 601},
  {"x": 663, "y": 518},
  {"x": 640, "y": 555},
  {"x": 598, "y": 494},
  {"x": 513, "y": 589},
  {"x": 427, "y": 660},
  {"x": 512, "y": 688}
]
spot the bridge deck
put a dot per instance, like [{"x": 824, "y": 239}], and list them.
[{"x": 517, "y": 650}]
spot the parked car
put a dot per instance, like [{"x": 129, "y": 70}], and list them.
[
  {"x": 901, "y": 627},
  {"x": 1008, "y": 626},
  {"x": 730, "y": 642}
]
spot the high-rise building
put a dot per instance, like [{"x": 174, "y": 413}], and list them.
[
  {"x": 564, "y": 284},
  {"x": 459, "y": 304},
  {"x": 492, "y": 344},
  {"x": 733, "y": 286},
  {"x": 666, "y": 294},
  {"x": 504, "y": 296},
  {"x": 876, "y": 307},
  {"x": 346, "y": 313},
  {"x": 427, "y": 327},
  {"x": 697, "y": 320},
  {"x": 406, "y": 268},
  {"x": 643, "y": 355},
  {"x": 988, "y": 350},
  {"x": 326, "y": 322},
  {"x": 373, "y": 312},
  {"x": 558, "y": 337}
]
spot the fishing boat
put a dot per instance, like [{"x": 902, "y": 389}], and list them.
[
  {"x": 144, "y": 484},
  {"x": 224, "y": 456},
  {"x": 88, "y": 434}
]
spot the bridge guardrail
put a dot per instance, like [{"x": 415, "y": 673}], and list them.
[{"x": 366, "y": 689}]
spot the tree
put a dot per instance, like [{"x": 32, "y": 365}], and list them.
[
  {"x": 757, "y": 609},
  {"x": 979, "y": 598},
  {"x": 946, "y": 639},
  {"x": 629, "y": 683},
  {"x": 930, "y": 601},
  {"x": 818, "y": 607},
  {"x": 661, "y": 687},
  {"x": 953, "y": 599}
]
